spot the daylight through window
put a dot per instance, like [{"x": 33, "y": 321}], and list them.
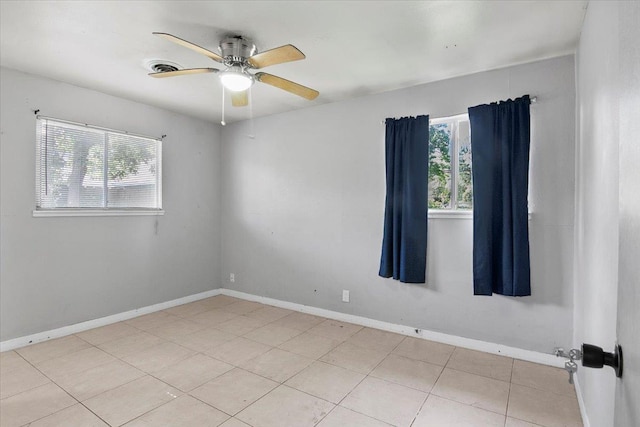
[
  {"x": 80, "y": 166},
  {"x": 450, "y": 164}
]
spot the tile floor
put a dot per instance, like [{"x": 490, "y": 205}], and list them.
[{"x": 227, "y": 362}]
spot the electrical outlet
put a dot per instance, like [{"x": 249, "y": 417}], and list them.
[
  {"x": 345, "y": 296},
  {"x": 232, "y": 277}
]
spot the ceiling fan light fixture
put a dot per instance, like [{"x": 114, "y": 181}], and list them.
[{"x": 235, "y": 80}]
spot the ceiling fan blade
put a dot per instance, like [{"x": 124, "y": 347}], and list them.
[
  {"x": 240, "y": 99},
  {"x": 289, "y": 86},
  {"x": 185, "y": 72},
  {"x": 278, "y": 55},
  {"x": 191, "y": 46}
]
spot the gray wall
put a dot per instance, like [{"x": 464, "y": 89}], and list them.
[
  {"x": 60, "y": 271},
  {"x": 603, "y": 64},
  {"x": 303, "y": 211}
]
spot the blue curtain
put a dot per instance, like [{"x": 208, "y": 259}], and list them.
[
  {"x": 500, "y": 149},
  {"x": 404, "y": 246}
]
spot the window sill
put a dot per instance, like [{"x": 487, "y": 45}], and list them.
[
  {"x": 96, "y": 212},
  {"x": 452, "y": 214}
]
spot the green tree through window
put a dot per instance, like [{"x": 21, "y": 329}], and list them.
[
  {"x": 439, "y": 166},
  {"x": 450, "y": 164}
]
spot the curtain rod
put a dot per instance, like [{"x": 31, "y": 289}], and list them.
[
  {"x": 533, "y": 100},
  {"x": 79, "y": 124}
]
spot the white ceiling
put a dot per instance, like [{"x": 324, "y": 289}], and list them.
[{"x": 353, "y": 48}]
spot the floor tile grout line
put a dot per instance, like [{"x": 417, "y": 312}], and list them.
[
  {"x": 470, "y": 405},
  {"x": 101, "y": 393},
  {"x": 124, "y": 322},
  {"x": 404, "y": 385},
  {"x": 466, "y": 404},
  {"x": 327, "y": 414},
  {"x": 450, "y": 355},
  {"x": 118, "y": 386},
  {"x": 212, "y": 406},
  {"x": 145, "y": 413},
  {"x": 288, "y": 378},
  {"x": 475, "y": 375},
  {"x": 257, "y": 400},
  {"x": 173, "y": 400},
  {"x": 530, "y": 422},
  {"x": 549, "y": 390},
  {"x": 276, "y": 346},
  {"x": 145, "y": 373},
  {"x": 98, "y": 416},
  {"x": 52, "y": 358},
  {"x": 513, "y": 364},
  {"x": 404, "y": 357},
  {"x": 432, "y": 387},
  {"x": 349, "y": 369},
  {"x": 508, "y": 401},
  {"x": 434, "y": 384},
  {"x": 31, "y": 365},
  {"x": 318, "y": 358},
  {"x": 54, "y": 412},
  {"x": 128, "y": 321},
  {"x": 65, "y": 391},
  {"x": 415, "y": 416},
  {"x": 171, "y": 364},
  {"x": 128, "y": 354},
  {"x": 79, "y": 372},
  {"x": 29, "y": 389},
  {"x": 366, "y": 415},
  {"x": 367, "y": 376},
  {"x": 300, "y": 391}
]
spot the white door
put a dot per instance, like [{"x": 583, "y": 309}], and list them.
[{"x": 627, "y": 409}]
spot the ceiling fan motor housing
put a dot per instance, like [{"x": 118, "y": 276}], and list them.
[{"x": 236, "y": 49}]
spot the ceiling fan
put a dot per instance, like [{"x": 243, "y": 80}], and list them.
[{"x": 239, "y": 55}]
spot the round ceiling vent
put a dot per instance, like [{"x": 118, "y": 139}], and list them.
[{"x": 162, "y": 66}]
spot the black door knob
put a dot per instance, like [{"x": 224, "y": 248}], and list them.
[{"x": 594, "y": 357}]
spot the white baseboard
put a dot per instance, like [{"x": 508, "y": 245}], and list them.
[
  {"x": 583, "y": 408},
  {"x": 503, "y": 350},
  {"x": 95, "y": 323},
  {"x": 488, "y": 347}
]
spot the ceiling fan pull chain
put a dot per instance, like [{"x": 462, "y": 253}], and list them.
[
  {"x": 252, "y": 133},
  {"x": 222, "y": 122}
]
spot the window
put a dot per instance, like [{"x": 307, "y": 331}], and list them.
[
  {"x": 81, "y": 167},
  {"x": 450, "y": 164}
]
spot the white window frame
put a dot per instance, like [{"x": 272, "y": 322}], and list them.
[
  {"x": 454, "y": 212},
  {"x": 104, "y": 211}
]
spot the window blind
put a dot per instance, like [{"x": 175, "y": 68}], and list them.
[{"x": 80, "y": 166}]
